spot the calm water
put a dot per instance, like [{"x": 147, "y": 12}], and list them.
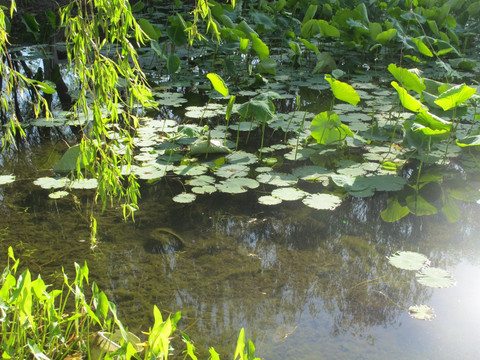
[{"x": 304, "y": 284}]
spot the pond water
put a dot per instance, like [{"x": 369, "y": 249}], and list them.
[{"x": 304, "y": 283}]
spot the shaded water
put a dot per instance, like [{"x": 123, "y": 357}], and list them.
[{"x": 305, "y": 284}]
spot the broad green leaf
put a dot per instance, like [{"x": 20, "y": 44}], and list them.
[
  {"x": 218, "y": 84},
  {"x": 327, "y": 30},
  {"x": 419, "y": 206},
  {"x": 322, "y": 201},
  {"x": 259, "y": 47},
  {"x": 472, "y": 140},
  {"x": 277, "y": 179},
  {"x": 422, "y": 48},
  {"x": 237, "y": 185},
  {"x": 184, "y": 198},
  {"x": 408, "y": 260},
  {"x": 451, "y": 210},
  {"x": 394, "y": 210},
  {"x": 68, "y": 162},
  {"x": 267, "y": 66},
  {"x": 407, "y": 79},
  {"x": 269, "y": 200},
  {"x": 433, "y": 121},
  {"x": 435, "y": 277},
  {"x": 260, "y": 110},
  {"x": 288, "y": 193},
  {"x": 421, "y": 312},
  {"x": 407, "y": 100},
  {"x": 343, "y": 91},
  {"x": 327, "y": 128},
  {"x": 152, "y": 32},
  {"x": 385, "y": 36},
  {"x": 173, "y": 64},
  {"x": 454, "y": 96},
  {"x": 310, "y": 13},
  {"x": 308, "y": 45}
]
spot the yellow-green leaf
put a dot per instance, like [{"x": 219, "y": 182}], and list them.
[{"x": 218, "y": 83}]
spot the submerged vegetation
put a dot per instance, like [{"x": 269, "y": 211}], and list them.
[{"x": 295, "y": 100}]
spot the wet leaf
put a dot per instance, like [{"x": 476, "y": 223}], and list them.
[
  {"x": 421, "y": 312},
  {"x": 435, "y": 277},
  {"x": 408, "y": 260}
]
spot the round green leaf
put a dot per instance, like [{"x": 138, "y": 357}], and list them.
[
  {"x": 184, "y": 198},
  {"x": 421, "y": 312},
  {"x": 408, "y": 260},
  {"x": 277, "y": 179},
  {"x": 288, "y": 193},
  {"x": 322, "y": 201},
  {"x": 58, "y": 194},
  {"x": 269, "y": 200},
  {"x": 435, "y": 277}
]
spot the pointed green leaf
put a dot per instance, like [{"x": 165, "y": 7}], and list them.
[
  {"x": 259, "y": 47},
  {"x": 422, "y": 48},
  {"x": 455, "y": 96},
  {"x": 173, "y": 64},
  {"x": 407, "y": 100},
  {"x": 407, "y": 79},
  {"x": 343, "y": 91},
  {"x": 394, "y": 210},
  {"x": 218, "y": 84}
]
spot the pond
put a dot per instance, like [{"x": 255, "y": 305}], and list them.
[{"x": 304, "y": 283}]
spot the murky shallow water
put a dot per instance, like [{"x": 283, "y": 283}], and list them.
[{"x": 305, "y": 284}]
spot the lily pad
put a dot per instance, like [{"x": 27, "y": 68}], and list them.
[
  {"x": 6, "y": 179},
  {"x": 201, "y": 180},
  {"x": 241, "y": 157},
  {"x": 233, "y": 170},
  {"x": 269, "y": 200},
  {"x": 322, "y": 201},
  {"x": 421, "y": 312},
  {"x": 237, "y": 185},
  {"x": 51, "y": 183},
  {"x": 435, "y": 277},
  {"x": 312, "y": 173},
  {"x": 58, "y": 194},
  {"x": 206, "y": 189},
  {"x": 288, "y": 193},
  {"x": 208, "y": 147},
  {"x": 190, "y": 170},
  {"x": 408, "y": 260},
  {"x": 184, "y": 198},
  {"x": 84, "y": 184},
  {"x": 277, "y": 179}
]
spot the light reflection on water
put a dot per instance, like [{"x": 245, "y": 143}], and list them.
[{"x": 305, "y": 284}]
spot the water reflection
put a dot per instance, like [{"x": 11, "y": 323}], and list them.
[{"x": 305, "y": 284}]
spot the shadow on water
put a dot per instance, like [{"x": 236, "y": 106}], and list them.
[{"x": 305, "y": 284}]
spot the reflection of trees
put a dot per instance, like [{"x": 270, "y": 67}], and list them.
[{"x": 244, "y": 265}]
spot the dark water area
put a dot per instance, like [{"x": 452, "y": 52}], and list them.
[{"x": 305, "y": 284}]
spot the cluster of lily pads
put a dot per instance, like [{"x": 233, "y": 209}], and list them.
[{"x": 425, "y": 275}]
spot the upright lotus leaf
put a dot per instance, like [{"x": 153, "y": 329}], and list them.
[
  {"x": 472, "y": 140},
  {"x": 433, "y": 121},
  {"x": 455, "y": 96},
  {"x": 218, "y": 84},
  {"x": 422, "y": 48},
  {"x": 385, "y": 36},
  {"x": 309, "y": 46},
  {"x": 407, "y": 79},
  {"x": 259, "y": 47},
  {"x": 267, "y": 66},
  {"x": 419, "y": 206},
  {"x": 394, "y": 211},
  {"x": 310, "y": 13},
  {"x": 153, "y": 32},
  {"x": 173, "y": 64},
  {"x": 68, "y": 162},
  {"x": 327, "y": 30},
  {"x": 407, "y": 100},
  {"x": 327, "y": 128},
  {"x": 343, "y": 91},
  {"x": 260, "y": 109}
]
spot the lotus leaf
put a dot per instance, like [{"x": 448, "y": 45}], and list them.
[
  {"x": 237, "y": 185},
  {"x": 6, "y": 179},
  {"x": 84, "y": 184},
  {"x": 269, "y": 200},
  {"x": 208, "y": 147},
  {"x": 241, "y": 157},
  {"x": 233, "y": 170},
  {"x": 288, "y": 193},
  {"x": 322, "y": 201},
  {"x": 421, "y": 312},
  {"x": 312, "y": 173},
  {"x": 184, "y": 198},
  {"x": 51, "y": 183},
  {"x": 277, "y": 179},
  {"x": 190, "y": 170},
  {"x": 408, "y": 260},
  {"x": 206, "y": 189},
  {"x": 201, "y": 180},
  {"x": 58, "y": 194},
  {"x": 435, "y": 277}
]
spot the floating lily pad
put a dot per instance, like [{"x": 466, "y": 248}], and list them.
[
  {"x": 263, "y": 169},
  {"x": 408, "y": 260},
  {"x": 288, "y": 193},
  {"x": 299, "y": 154},
  {"x": 51, "y": 183},
  {"x": 322, "y": 201},
  {"x": 277, "y": 179},
  {"x": 241, "y": 157},
  {"x": 312, "y": 173},
  {"x": 6, "y": 179},
  {"x": 190, "y": 170},
  {"x": 184, "y": 198},
  {"x": 84, "y": 184},
  {"x": 211, "y": 146},
  {"x": 206, "y": 189},
  {"x": 435, "y": 277},
  {"x": 151, "y": 172},
  {"x": 237, "y": 185},
  {"x": 58, "y": 194},
  {"x": 269, "y": 200},
  {"x": 233, "y": 170},
  {"x": 421, "y": 312},
  {"x": 243, "y": 126},
  {"x": 201, "y": 180}
]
